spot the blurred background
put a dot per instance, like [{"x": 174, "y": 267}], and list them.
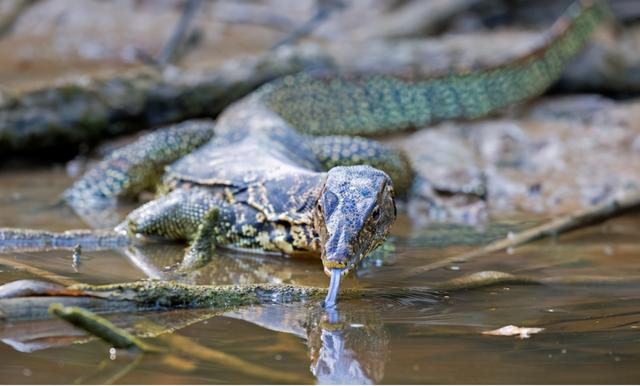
[{"x": 42, "y": 40}]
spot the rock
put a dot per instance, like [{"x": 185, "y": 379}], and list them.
[{"x": 551, "y": 157}]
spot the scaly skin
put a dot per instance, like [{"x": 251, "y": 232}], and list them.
[
  {"x": 130, "y": 170},
  {"x": 260, "y": 184},
  {"x": 380, "y": 104}
]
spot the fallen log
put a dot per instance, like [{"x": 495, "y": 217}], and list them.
[{"x": 55, "y": 121}]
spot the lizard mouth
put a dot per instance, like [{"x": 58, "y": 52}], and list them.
[
  {"x": 344, "y": 267},
  {"x": 335, "y": 269}
]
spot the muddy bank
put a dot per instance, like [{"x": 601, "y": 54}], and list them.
[{"x": 549, "y": 157}]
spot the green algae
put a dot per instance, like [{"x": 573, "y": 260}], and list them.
[{"x": 173, "y": 294}]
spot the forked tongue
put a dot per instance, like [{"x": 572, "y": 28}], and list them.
[{"x": 334, "y": 287}]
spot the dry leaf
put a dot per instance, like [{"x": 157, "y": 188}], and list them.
[{"x": 511, "y": 330}]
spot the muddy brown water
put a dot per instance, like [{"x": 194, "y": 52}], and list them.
[{"x": 591, "y": 332}]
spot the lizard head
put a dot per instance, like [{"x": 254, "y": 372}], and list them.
[{"x": 352, "y": 217}]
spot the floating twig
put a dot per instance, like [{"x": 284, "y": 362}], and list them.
[{"x": 553, "y": 227}]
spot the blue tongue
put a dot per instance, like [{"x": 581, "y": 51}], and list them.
[{"x": 334, "y": 287}]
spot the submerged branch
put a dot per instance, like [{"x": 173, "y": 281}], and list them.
[
  {"x": 119, "y": 338},
  {"x": 224, "y": 297},
  {"x": 100, "y": 327},
  {"x": 177, "y": 295},
  {"x": 159, "y": 295}
]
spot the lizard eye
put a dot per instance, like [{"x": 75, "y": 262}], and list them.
[{"x": 376, "y": 213}]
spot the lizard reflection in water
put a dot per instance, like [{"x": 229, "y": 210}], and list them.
[{"x": 347, "y": 343}]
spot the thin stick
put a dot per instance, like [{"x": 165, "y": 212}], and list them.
[
  {"x": 551, "y": 228},
  {"x": 325, "y": 9},
  {"x": 119, "y": 338},
  {"x": 177, "y": 37},
  {"x": 255, "y": 15},
  {"x": 49, "y": 276},
  {"x": 490, "y": 278}
]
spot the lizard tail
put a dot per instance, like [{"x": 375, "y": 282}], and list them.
[{"x": 381, "y": 104}]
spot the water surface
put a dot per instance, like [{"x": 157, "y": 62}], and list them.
[{"x": 591, "y": 332}]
